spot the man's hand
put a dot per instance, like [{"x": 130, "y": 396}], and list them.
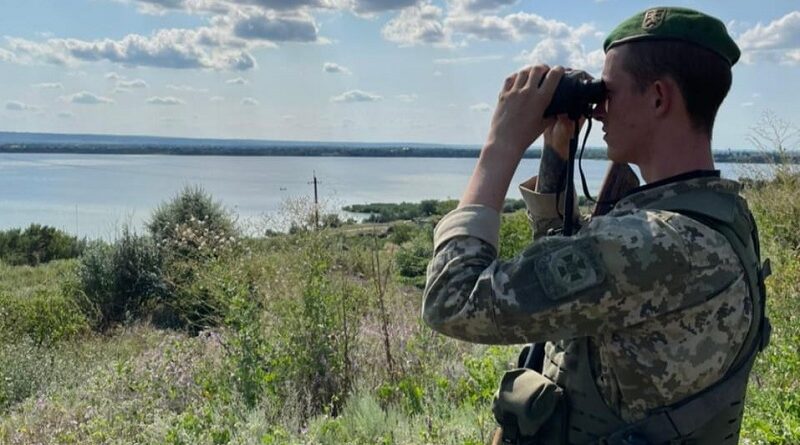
[
  {"x": 518, "y": 120},
  {"x": 559, "y": 133}
]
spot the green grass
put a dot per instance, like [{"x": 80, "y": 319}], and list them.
[
  {"x": 297, "y": 350},
  {"x": 772, "y": 411}
]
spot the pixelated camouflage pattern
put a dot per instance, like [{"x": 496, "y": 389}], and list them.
[{"x": 662, "y": 297}]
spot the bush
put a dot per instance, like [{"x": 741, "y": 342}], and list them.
[
  {"x": 515, "y": 234},
  {"x": 412, "y": 259},
  {"x": 120, "y": 279},
  {"x": 38, "y": 244},
  {"x": 191, "y": 221},
  {"x": 43, "y": 317}
]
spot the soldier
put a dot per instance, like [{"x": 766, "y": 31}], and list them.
[{"x": 651, "y": 315}]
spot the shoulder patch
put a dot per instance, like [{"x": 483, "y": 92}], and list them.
[{"x": 569, "y": 269}]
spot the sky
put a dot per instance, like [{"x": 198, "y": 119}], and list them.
[{"x": 338, "y": 70}]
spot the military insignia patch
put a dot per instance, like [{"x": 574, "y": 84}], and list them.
[
  {"x": 569, "y": 270},
  {"x": 653, "y": 18}
]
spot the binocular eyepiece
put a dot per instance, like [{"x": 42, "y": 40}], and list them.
[{"x": 575, "y": 94}]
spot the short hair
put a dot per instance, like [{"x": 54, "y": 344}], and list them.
[{"x": 703, "y": 77}]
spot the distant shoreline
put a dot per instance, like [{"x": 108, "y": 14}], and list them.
[{"x": 313, "y": 150}]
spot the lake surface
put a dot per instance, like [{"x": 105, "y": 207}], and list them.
[{"x": 95, "y": 195}]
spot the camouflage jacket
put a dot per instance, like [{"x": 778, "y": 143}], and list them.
[{"x": 628, "y": 280}]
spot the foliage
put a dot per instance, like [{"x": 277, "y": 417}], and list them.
[
  {"x": 117, "y": 281},
  {"x": 413, "y": 257},
  {"x": 404, "y": 211},
  {"x": 515, "y": 234},
  {"x": 386, "y": 212},
  {"x": 38, "y": 244},
  {"x": 772, "y": 412},
  {"x": 43, "y": 317},
  {"x": 286, "y": 341},
  {"x": 191, "y": 219}
]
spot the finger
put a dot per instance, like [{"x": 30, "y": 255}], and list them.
[
  {"x": 509, "y": 82},
  {"x": 550, "y": 82},
  {"x": 522, "y": 77},
  {"x": 536, "y": 77}
]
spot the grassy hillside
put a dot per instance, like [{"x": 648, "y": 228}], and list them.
[{"x": 194, "y": 334}]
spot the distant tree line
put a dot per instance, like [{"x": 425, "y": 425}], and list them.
[
  {"x": 387, "y": 212},
  {"x": 399, "y": 151}
]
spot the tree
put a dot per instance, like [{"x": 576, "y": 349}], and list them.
[{"x": 777, "y": 139}]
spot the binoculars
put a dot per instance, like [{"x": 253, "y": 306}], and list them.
[{"x": 575, "y": 95}]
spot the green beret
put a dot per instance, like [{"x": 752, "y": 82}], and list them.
[{"x": 676, "y": 24}]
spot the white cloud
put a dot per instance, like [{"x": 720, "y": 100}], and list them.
[
  {"x": 136, "y": 83},
  {"x": 250, "y": 102},
  {"x": 482, "y": 27},
  {"x": 113, "y": 76},
  {"x": 375, "y": 6},
  {"x": 418, "y": 25},
  {"x": 87, "y": 98},
  {"x": 121, "y": 90},
  {"x": 165, "y": 100},
  {"x": 274, "y": 28},
  {"x": 226, "y": 6},
  {"x": 204, "y": 48},
  {"x": 330, "y": 67},
  {"x": 237, "y": 81},
  {"x": 466, "y": 60},
  {"x": 15, "y": 105},
  {"x": 216, "y": 98},
  {"x": 437, "y": 73},
  {"x": 511, "y": 27},
  {"x": 186, "y": 88},
  {"x": 480, "y": 5},
  {"x": 65, "y": 115},
  {"x": 778, "y": 41},
  {"x": 356, "y": 96},
  {"x": 482, "y": 107},
  {"x": 48, "y": 86},
  {"x": 283, "y": 6},
  {"x": 792, "y": 57},
  {"x": 566, "y": 52},
  {"x": 7, "y": 56},
  {"x": 407, "y": 97}
]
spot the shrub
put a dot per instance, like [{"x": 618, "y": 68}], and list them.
[
  {"x": 412, "y": 259},
  {"x": 38, "y": 244},
  {"x": 191, "y": 221},
  {"x": 401, "y": 232},
  {"x": 515, "y": 234},
  {"x": 118, "y": 280},
  {"x": 44, "y": 317}
]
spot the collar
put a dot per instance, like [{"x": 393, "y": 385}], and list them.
[
  {"x": 676, "y": 185},
  {"x": 681, "y": 177}
]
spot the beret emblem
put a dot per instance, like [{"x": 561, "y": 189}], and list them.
[{"x": 653, "y": 18}]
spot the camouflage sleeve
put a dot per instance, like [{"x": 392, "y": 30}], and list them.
[
  {"x": 545, "y": 210},
  {"x": 617, "y": 272}
]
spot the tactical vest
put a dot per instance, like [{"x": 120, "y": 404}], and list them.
[{"x": 713, "y": 416}]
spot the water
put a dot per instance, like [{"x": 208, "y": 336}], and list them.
[{"x": 94, "y": 195}]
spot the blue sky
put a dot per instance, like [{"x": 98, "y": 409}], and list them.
[{"x": 337, "y": 70}]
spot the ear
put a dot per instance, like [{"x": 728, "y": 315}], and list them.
[{"x": 662, "y": 96}]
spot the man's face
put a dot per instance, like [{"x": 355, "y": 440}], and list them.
[{"x": 624, "y": 113}]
